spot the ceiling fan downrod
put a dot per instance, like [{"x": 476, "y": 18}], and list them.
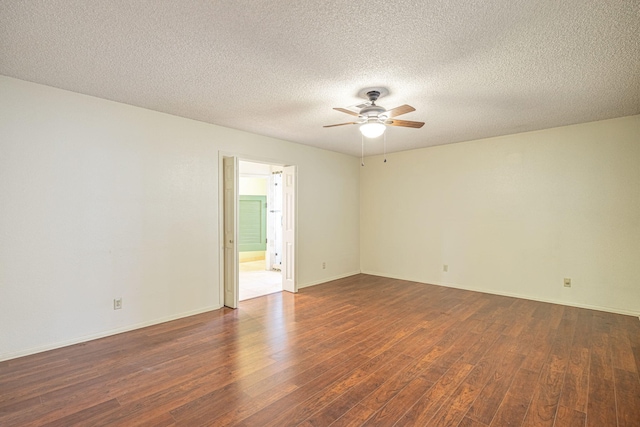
[{"x": 373, "y": 96}]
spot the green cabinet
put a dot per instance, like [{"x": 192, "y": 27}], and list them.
[{"x": 252, "y": 217}]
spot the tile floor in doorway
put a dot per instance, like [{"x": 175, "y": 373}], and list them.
[{"x": 255, "y": 281}]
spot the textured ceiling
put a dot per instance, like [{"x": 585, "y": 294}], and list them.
[{"x": 472, "y": 69}]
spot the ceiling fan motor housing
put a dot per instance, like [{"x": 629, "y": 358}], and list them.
[{"x": 372, "y": 111}]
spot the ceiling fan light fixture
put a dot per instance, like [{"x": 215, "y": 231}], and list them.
[{"x": 372, "y": 130}]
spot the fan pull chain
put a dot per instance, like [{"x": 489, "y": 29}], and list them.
[
  {"x": 385, "y": 147},
  {"x": 362, "y": 154}
]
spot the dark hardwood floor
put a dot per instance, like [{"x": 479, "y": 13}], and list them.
[{"x": 363, "y": 350}]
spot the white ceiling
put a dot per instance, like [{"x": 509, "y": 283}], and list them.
[{"x": 472, "y": 69}]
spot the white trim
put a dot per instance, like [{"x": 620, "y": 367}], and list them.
[
  {"x": 85, "y": 338},
  {"x": 221, "y": 156},
  {"x": 513, "y": 295},
  {"x": 329, "y": 279},
  {"x": 251, "y": 175}
]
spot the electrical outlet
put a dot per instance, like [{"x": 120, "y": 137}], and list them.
[
  {"x": 324, "y": 265},
  {"x": 445, "y": 268},
  {"x": 117, "y": 303},
  {"x": 567, "y": 282}
]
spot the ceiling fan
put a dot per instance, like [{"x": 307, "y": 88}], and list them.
[{"x": 374, "y": 119}]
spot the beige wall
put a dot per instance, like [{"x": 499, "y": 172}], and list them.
[
  {"x": 252, "y": 186},
  {"x": 513, "y": 215},
  {"x": 100, "y": 200}
]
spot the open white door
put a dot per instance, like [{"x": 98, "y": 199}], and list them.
[
  {"x": 230, "y": 177},
  {"x": 274, "y": 221},
  {"x": 288, "y": 229}
]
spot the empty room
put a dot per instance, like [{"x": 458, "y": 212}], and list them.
[{"x": 442, "y": 211}]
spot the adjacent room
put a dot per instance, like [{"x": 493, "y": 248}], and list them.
[
  {"x": 320, "y": 213},
  {"x": 259, "y": 229}
]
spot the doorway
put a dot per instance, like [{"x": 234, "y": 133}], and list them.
[
  {"x": 259, "y": 229},
  {"x": 258, "y": 223}
]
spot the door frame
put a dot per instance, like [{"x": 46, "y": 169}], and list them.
[
  {"x": 289, "y": 227},
  {"x": 229, "y": 235},
  {"x": 255, "y": 159}
]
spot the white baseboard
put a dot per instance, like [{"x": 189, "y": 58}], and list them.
[
  {"x": 513, "y": 295},
  {"x": 328, "y": 279},
  {"x": 85, "y": 338}
]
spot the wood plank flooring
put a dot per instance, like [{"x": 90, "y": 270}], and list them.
[{"x": 361, "y": 351}]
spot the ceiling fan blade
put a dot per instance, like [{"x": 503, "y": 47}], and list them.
[
  {"x": 403, "y": 109},
  {"x": 344, "y": 110},
  {"x": 404, "y": 123},
  {"x": 340, "y": 124}
]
